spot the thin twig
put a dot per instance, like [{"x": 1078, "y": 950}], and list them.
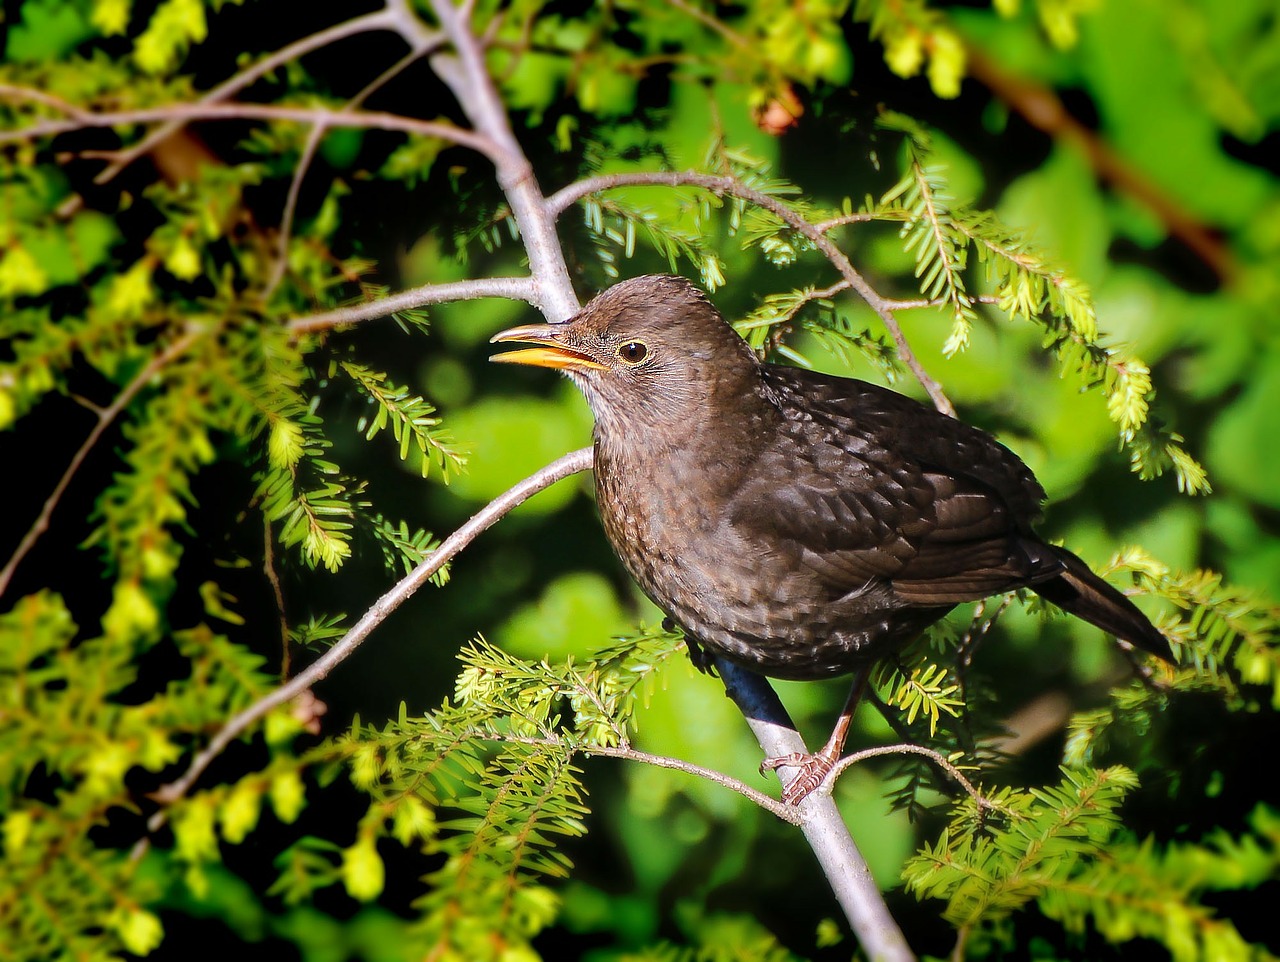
[
  {"x": 861, "y": 217},
  {"x": 711, "y": 23},
  {"x": 106, "y": 416},
  {"x": 557, "y": 470},
  {"x": 913, "y": 303},
  {"x": 824, "y": 828},
  {"x": 273, "y": 579},
  {"x": 13, "y": 92},
  {"x": 304, "y": 164},
  {"x": 375, "y": 120},
  {"x": 908, "y": 749},
  {"x": 385, "y": 19},
  {"x": 782, "y": 326},
  {"x": 788, "y": 813},
  {"x": 514, "y": 288},
  {"x": 721, "y": 184}
]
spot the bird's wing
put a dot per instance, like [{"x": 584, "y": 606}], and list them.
[{"x": 863, "y": 485}]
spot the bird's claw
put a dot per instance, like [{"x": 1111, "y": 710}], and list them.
[{"x": 812, "y": 772}]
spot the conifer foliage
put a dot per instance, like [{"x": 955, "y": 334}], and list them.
[{"x": 246, "y": 275}]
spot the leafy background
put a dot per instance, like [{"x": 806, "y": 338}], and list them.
[{"x": 1156, "y": 187}]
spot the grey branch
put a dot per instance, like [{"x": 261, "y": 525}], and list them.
[
  {"x": 309, "y": 150},
  {"x": 557, "y": 470},
  {"x": 823, "y": 827},
  {"x": 515, "y": 288},
  {"x": 84, "y": 119},
  {"x": 535, "y": 215},
  {"x": 788, "y": 813},
  {"x": 462, "y": 67},
  {"x": 936, "y": 757},
  {"x": 391, "y": 17},
  {"x": 467, "y": 76}
]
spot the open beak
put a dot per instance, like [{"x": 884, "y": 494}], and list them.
[{"x": 551, "y": 354}]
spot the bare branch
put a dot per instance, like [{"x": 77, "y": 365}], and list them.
[
  {"x": 389, "y": 18},
  {"x": 915, "y": 302},
  {"x": 711, "y": 23},
  {"x": 304, "y": 163},
  {"x": 824, "y": 828},
  {"x": 277, "y": 593},
  {"x": 470, "y": 82},
  {"x": 834, "y": 222},
  {"x": 535, "y": 215},
  {"x": 11, "y": 92},
  {"x": 557, "y": 470},
  {"x": 788, "y": 813},
  {"x": 732, "y": 186},
  {"x": 908, "y": 749},
  {"x": 515, "y": 288},
  {"x": 782, "y": 326},
  {"x": 375, "y": 120}
]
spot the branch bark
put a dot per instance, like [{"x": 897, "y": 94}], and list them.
[
  {"x": 535, "y": 216},
  {"x": 557, "y": 470},
  {"x": 391, "y": 17},
  {"x": 515, "y": 288},
  {"x": 378, "y": 120},
  {"x": 823, "y": 827},
  {"x": 465, "y": 73}
]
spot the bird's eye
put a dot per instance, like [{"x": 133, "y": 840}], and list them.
[{"x": 633, "y": 352}]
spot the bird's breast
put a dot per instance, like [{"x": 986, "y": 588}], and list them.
[{"x": 672, "y": 523}]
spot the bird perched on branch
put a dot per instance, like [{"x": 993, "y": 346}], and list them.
[{"x": 799, "y": 524}]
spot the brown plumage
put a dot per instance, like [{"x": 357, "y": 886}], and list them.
[{"x": 796, "y": 523}]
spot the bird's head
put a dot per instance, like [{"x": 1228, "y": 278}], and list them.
[{"x": 651, "y": 349}]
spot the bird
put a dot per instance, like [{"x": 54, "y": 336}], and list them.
[{"x": 799, "y": 524}]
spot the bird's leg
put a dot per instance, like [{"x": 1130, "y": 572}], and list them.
[
  {"x": 701, "y": 658},
  {"x": 813, "y": 769}
]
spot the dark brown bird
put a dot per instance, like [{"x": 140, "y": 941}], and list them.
[{"x": 799, "y": 524}]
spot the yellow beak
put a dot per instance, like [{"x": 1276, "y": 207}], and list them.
[{"x": 552, "y": 354}]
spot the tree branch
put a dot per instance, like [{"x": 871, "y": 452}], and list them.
[
  {"x": 788, "y": 813},
  {"x": 469, "y": 79},
  {"x": 535, "y": 215},
  {"x": 376, "y": 120},
  {"x": 557, "y": 470},
  {"x": 823, "y": 827},
  {"x": 515, "y": 288},
  {"x": 304, "y": 163},
  {"x": 907, "y": 748},
  {"x": 389, "y": 18}
]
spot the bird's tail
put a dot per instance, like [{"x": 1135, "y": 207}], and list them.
[{"x": 1082, "y": 593}]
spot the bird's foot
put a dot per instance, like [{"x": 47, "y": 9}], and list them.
[
  {"x": 812, "y": 772},
  {"x": 702, "y": 659}
]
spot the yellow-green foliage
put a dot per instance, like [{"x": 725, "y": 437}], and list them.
[{"x": 149, "y": 325}]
